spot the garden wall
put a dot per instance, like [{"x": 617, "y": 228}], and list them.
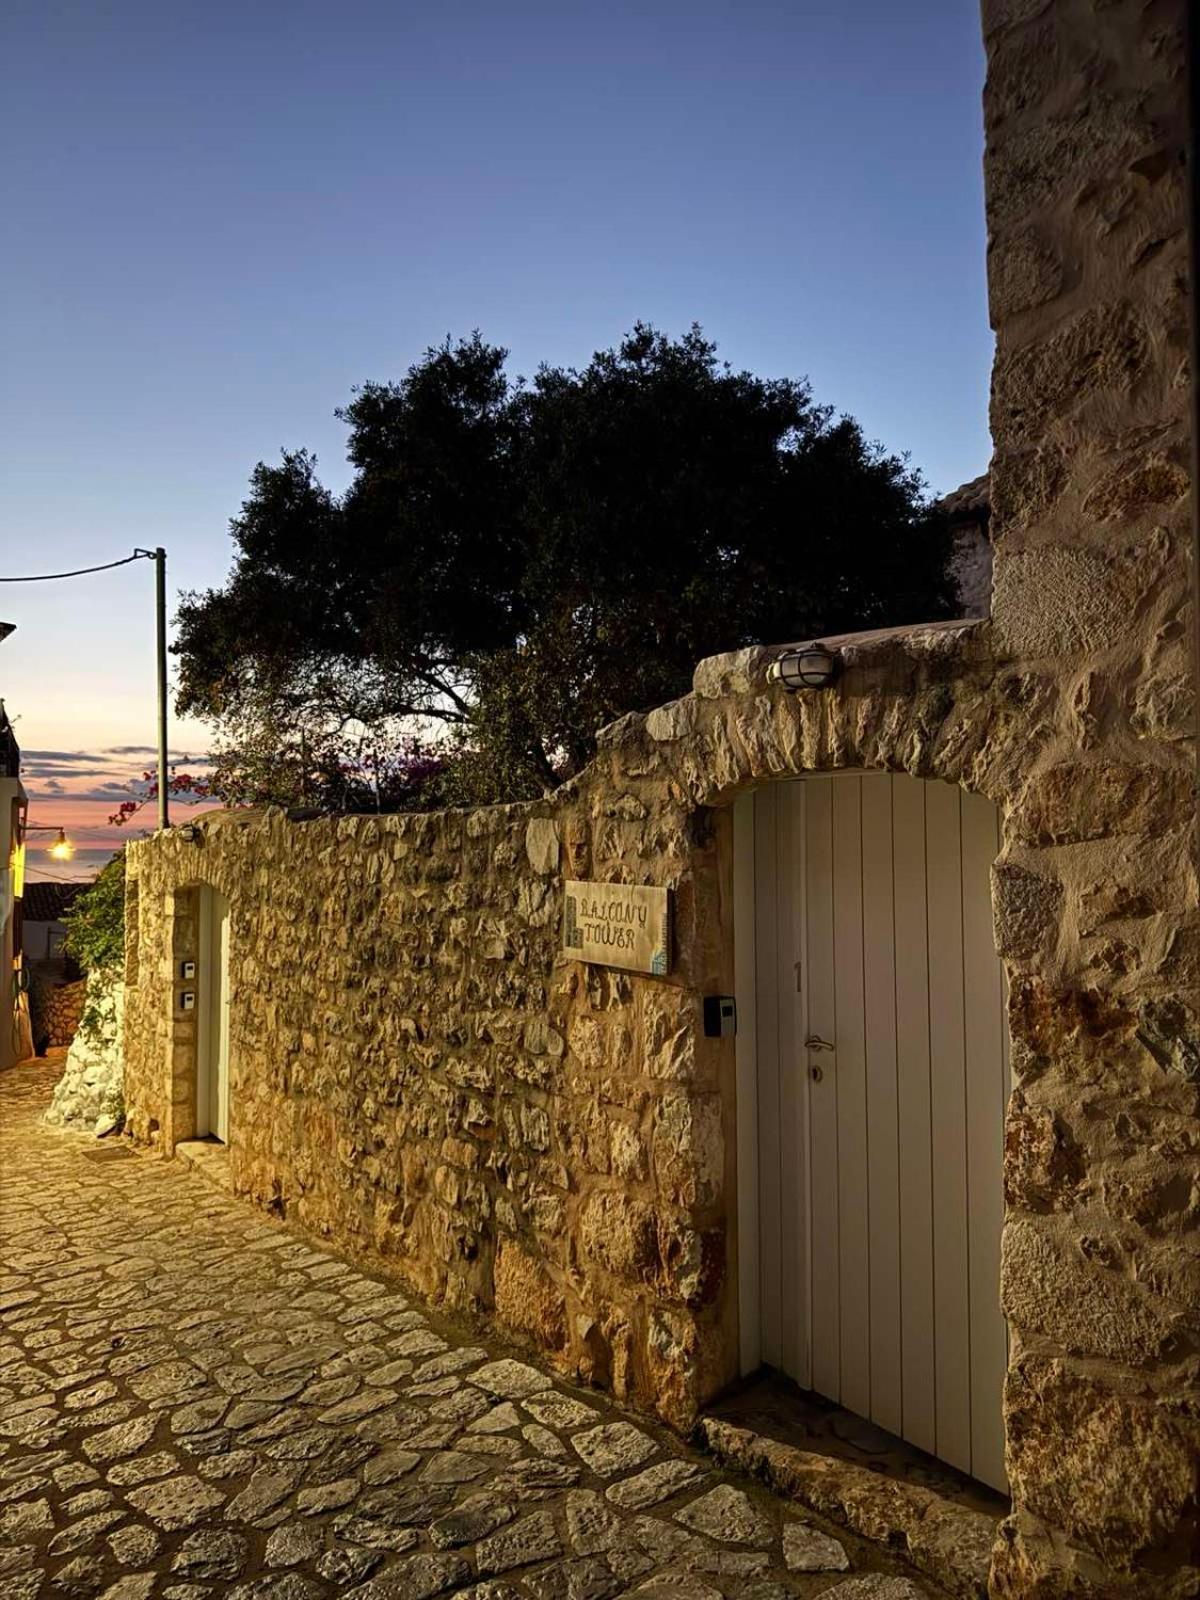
[
  {"x": 419, "y": 1070},
  {"x": 416, "y": 1073}
]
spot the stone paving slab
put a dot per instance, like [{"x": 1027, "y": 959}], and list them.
[{"x": 196, "y": 1402}]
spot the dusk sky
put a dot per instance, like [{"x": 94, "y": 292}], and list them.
[{"x": 219, "y": 218}]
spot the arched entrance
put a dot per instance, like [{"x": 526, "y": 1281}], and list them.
[{"x": 872, "y": 1084}]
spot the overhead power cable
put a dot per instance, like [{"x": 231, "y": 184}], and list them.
[{"x": 49, "y": 577}]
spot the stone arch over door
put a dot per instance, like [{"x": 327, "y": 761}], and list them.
[
  {"x": 929, "y": 702},
  {"x": 1090, "y": 895}
]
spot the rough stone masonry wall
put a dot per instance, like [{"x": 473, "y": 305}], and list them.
[
  {"x": 55, "y": 1004},
  {"x": 1085, "y": 116},
  {"x": 415, "y": 1073}
]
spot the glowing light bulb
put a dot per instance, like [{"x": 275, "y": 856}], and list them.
[{"x": 62, "y": 849}]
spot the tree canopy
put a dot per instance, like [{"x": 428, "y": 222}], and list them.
[{"x": 515, "y": 564}]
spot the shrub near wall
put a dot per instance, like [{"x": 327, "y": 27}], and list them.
[{"x": 89, "y": 1093}]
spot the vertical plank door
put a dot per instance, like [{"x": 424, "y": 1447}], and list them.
[
  {"x": 879, "y": 886},
  {"x": 882, "y": 1103},
  {"x": 773, "y": 834},
  {"x": 820, "y": 1020}
]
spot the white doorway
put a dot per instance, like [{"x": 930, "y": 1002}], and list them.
[
  {"x": 212, "y": 1032},
  {"x": 872, "y": 1084}
]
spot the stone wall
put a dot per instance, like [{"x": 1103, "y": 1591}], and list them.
[
  {"x": 416, "y": 1074},
  {"x": 55, "y": 1004},
  {"x": 420, "y": 1074},
  {"x": 1096, "y": 897},
  {"x": 418, "y": 1071}
]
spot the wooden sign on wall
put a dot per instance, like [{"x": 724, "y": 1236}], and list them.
[{"x": 619, "y": 925}]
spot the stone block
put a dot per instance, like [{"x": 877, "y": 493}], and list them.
[
  {"x": 1169, "y": 1030},
  {"x": 1116, "y": 1472},
  {"x": 666, "y": 724},
  {"x": 692, "y": 1262},
  {"x": 1001, "y": 14},
  {"x": 1146, "y": 483},
  {"x": 1042, "y": 1162},
  {"x": 1026, "y": 483},
  {"x": 1037, "y": 164},
  {"x": 1026, "y": 911},
  {"x": 1047, "y": 1290},
  {"x": 1058, "y": 600},
  {"x": 688, "y": 1148},
  {"x": 1022, "y": 272},
  {"x": 627, "y": 1152},
  {"x": 620, "y": 1234},
  {"x": 1071, "y": 803},
  {"x": 1164, "y": 705},
  {"x": 669, "y": 1027},
  {"x": 542, "y": 844},
  {"x": 527, "y": 1298},
  {"x": 540, "y": 1039}
]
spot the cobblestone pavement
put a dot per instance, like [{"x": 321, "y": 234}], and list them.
[{"x": 195, "y": 1402}]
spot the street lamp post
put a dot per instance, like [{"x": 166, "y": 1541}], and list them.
[
  {"x": 160, "y": 630},
  {"x": 159, "y": 558}
]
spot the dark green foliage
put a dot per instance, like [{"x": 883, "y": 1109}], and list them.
[
  {"x": 95, "y": 922},
  {"x": 521, "y": 563},
  {"x": 95, "y": 938}
]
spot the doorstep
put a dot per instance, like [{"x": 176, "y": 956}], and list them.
[
  {"x": 943, "y": 1524},
  {"x": 208, "y": 1157}
]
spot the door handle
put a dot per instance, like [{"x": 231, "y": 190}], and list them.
[{"x": 815, "y": 1042}]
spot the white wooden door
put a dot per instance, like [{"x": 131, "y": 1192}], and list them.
[
  {"x": 873, "y": 1070},
  {"x": 212, "y": 1044}
]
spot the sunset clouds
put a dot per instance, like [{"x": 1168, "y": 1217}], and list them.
[{"x": 79, "y": 790}]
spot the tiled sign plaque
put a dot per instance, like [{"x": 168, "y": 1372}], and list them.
[{"x": 619, "y": 925}]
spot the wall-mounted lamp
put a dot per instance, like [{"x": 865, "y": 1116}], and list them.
[
  {"x": 190, "y": 833},
  {"x": 812, "y": 666}
]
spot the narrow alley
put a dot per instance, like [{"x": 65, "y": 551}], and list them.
[{"x": 196, "y": 1402}]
